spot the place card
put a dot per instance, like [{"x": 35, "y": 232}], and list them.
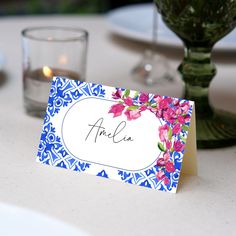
[{"x": 134, "y": 137}]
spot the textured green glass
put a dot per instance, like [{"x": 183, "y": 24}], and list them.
[{"x": 200, "y": 24}]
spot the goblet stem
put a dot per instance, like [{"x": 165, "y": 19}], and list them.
[
  {"x": 213, "y": 130},
  {"x": 197, "y": 71}
]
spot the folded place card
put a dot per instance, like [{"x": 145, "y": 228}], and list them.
[{"x": 134, "y": 137}]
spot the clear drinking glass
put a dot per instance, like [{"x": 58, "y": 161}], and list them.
[
  {"x": 200, "y": 24},
  {"x": 48, "y": 52}
]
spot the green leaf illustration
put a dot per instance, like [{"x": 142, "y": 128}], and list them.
[
  {"x": 170, "y": 134},
  {"x": 183, "y": 139},
  {"x": 154, "y": 105},
  {"x": 131, "y": 108},
  {"x": 161, "y": 146},
  {"x": 185, "y": 127},
  {"x": 127, "y": 92}
]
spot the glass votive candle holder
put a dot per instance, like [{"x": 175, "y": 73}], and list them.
[{"x": 48, "y": 52}]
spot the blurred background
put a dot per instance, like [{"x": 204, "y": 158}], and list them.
[{"x": 22, "y": 7}]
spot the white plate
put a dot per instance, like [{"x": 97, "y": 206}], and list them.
[
  {"x": 17, "y": 221},
  {"x": 135, "y": 22}
]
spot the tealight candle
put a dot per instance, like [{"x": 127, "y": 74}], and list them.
[
  {"x": 37, "y": 84},
  {"x": 48, "y": 52}
]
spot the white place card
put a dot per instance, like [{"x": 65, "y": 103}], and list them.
[{"x": 134, "y": 137}]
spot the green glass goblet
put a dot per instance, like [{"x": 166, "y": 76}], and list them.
[{"x": 200, "y": 24}]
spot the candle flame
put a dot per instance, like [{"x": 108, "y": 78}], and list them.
[{"x": 47, "y": 72}]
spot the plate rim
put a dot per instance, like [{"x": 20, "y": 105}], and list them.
[{"x": 141, "y": 37}]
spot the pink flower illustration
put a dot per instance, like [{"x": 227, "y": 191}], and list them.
[
  {"x": 166, "y": 181},
  {"x": 143, "y": 108},
  {"x": 168, "y": 144},
  {"x": 173, "y": 112},
  {"x": 181, "y": 120},
  {"x": 170, "y": 167},
  {"x": 117, "y": 109},
  {"x": 178, "y": 111},
  {"x": 163, "y": 104},
  {"x": 128, "y": 101},
  {"x": 163, "y": 132},
  {"x": 166, "y": 156},
  {"x": 176, "y": 129},
  {"x": 160, "y": 175},
  {"x": 157, "y": 98},
  {"x": 178, "y": 146},
  {"x": 170, "y": 115},
  {"x": 159, "y": 113},
  {"x": 144, "y": 97},
  {"x": 185, "y": 106},
  {"x": 132, "y": 114},
  {"x": 117, "y": 94},
  {"x": 160, "y": 162},
  {"x": 187, "y": 118}
]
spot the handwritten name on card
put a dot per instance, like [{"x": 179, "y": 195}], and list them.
[
  {"x": 116, "y": 133},
  {"x": 100, "y": 130}
]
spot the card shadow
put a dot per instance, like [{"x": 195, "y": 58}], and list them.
[{"x": 187, "y": 183}]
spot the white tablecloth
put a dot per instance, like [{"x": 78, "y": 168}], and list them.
[{"x": 204, "y": 205}]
